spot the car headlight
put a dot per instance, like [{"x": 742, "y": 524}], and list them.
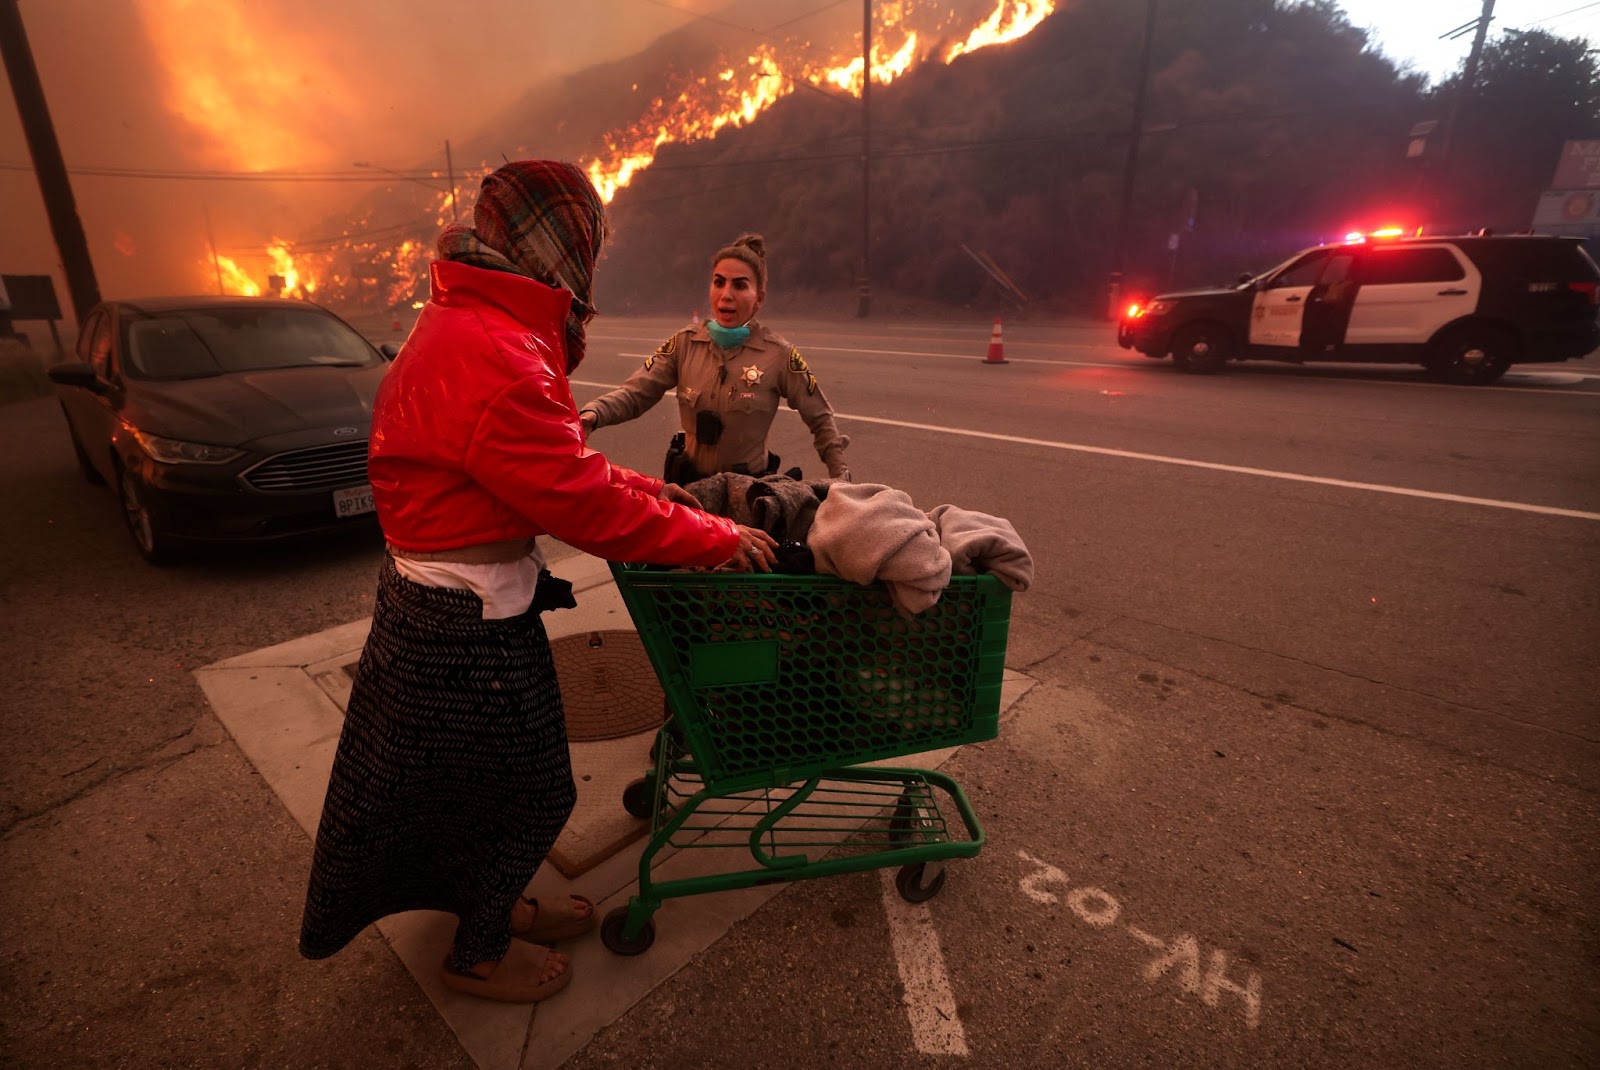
[
  {"x": 1160, "y": 308},
  {"x": 172, "y": 451}
]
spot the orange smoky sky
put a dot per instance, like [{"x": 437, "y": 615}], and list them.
[{"x": 282, "y": 85}]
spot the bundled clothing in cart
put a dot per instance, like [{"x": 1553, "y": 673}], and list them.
[{"x": 865, "y": 532}]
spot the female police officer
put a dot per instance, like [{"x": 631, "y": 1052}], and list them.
[{"x": 730, "y": 373}]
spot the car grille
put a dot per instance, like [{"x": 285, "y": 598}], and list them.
[{"x": 343, "y": 464}]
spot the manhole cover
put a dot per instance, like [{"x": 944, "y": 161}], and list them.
[{"x": 607, "y": 685}]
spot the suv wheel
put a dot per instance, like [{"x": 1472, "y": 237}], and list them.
[
  {"x": 1471, "y": 355},
  {"x": 149, "y": 536},
  {"x": 1202, "y": 348}
]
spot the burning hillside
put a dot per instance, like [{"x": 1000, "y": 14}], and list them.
[{"x": 372, "y": 263}]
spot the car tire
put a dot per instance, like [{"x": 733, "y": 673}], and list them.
[
  {"x": 149, "y": 534},
  {"x": 85, "y": 465},
  {"x": 1472, "y": 356},
  {"x": 1202, "y": 348}
]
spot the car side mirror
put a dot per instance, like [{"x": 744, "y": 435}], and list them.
[
  {"x": 76, "y": 374},
  {"x": 390, "y": 350},
  {"x": 1244, "y": 277}
]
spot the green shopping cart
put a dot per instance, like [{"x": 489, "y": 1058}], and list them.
[{"x": 781, "y": 689}]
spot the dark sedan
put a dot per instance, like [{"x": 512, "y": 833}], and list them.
[{"x": 223, "y": 418}]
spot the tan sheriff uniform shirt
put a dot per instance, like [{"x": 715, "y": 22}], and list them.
[{"x": 742, "y": 386}]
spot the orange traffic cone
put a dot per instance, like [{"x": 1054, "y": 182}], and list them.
[
  {"x": 997, "y": 348},
  {"x": 394, "y": 324}
]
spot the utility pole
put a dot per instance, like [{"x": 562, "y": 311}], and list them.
[
  {"x": 48, "y": 165},
  {"x": 865, "y": 306},
  {"x": 1469, "y": 74},
  {"x": 1131, "y": 165},
  {"x": 450, "y": 174}
]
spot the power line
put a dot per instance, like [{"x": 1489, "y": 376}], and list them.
[
  {"x": 362, "y": 176},
  {"x": 1563, "y": 14},
  {"x": 814, "y": 163},
  {"x": 965, "y": 146},
  {"x": 389, "y": 230},
  {"x": 832, "y": 139}
]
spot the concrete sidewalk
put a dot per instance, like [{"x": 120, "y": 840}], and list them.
[{"x": 284, "y": 706}]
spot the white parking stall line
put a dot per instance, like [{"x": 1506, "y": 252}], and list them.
[
  {"x": 1236, "y": 469},
  {"x": 930, "y": 1001}
]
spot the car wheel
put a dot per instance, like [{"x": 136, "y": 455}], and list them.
[
  {"x": 86, "y": 466},
  {"x": 149, "y": 536},
  {"x": 1202, "y": 348},
  {"x": 1472, "y": 355}
]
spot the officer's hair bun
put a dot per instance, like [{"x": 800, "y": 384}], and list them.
[{"x": 754, "y": 242}]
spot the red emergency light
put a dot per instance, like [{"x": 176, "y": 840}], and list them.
[{"x": 1357, "y": 237}]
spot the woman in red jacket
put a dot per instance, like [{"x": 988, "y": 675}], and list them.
[{"x": 452, "y": 777}]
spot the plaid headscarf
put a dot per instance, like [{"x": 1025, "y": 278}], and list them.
[{"x": 542, "y": 219}]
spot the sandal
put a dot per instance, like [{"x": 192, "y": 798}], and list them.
[
  {"x": 556, "y": 919},
  {"x": 517, "y": 978}
]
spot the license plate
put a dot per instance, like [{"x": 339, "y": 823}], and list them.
[{"x": 352, "y": 502}]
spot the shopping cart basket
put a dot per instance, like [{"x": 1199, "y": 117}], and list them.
[{"x": 780, "y": 690}]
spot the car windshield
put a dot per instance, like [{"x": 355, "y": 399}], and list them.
[
  {"x": 1261, "y": 279},
  {"x": 201, "y": 343}
]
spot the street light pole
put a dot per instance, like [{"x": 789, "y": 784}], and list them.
[
  {"x": 866, "y": 161},
  {"x": 1131, "y": 165}
]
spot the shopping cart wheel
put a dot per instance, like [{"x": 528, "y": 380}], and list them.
[
  {"x": 909, "y": 882},
  {"x": 636, "y": 798},
  {"x": 611, "y": 930}
]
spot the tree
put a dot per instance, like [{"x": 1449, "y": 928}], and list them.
[{"x": 1532, "y": 91}]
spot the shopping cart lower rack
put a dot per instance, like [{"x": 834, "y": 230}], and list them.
[{"x": 781, "y": 689}]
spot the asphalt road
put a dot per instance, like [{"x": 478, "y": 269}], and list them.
[{"x": 1308, "y": 776}]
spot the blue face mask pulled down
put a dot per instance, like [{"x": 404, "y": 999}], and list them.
[{"x": 728, "y": 337}]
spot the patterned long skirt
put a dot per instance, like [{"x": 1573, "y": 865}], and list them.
[{"x": 452, "y": 778}]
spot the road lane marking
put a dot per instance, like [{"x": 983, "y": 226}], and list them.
[
  {"x": 1517, "y": 371},
  {"x": 930, "y": 1001},
  {"x": 962, "y": 356},
  {"x": 1145, "y": 365},
  {"x": 1235, "y": 469}
]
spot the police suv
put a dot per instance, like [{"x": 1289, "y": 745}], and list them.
[{"x": 1466, "y": 308}]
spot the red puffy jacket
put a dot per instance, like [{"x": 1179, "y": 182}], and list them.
[{"x": 476, "y": 439}]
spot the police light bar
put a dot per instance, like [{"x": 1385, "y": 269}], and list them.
[{"x": 1356, "y": 237}]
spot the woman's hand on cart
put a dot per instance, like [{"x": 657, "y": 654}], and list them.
[
  {"x": 671, "y": 492},
  {"x": 757, "y": 551}
]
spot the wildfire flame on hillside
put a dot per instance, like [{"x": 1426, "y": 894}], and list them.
[
  {"x": 704, "y": 105},
  {"x": 736, "y": 95}
]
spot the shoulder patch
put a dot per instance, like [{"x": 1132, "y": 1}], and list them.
[
  {"x": 665, "y": 349},
  {"x": 797, "y": 363}
]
